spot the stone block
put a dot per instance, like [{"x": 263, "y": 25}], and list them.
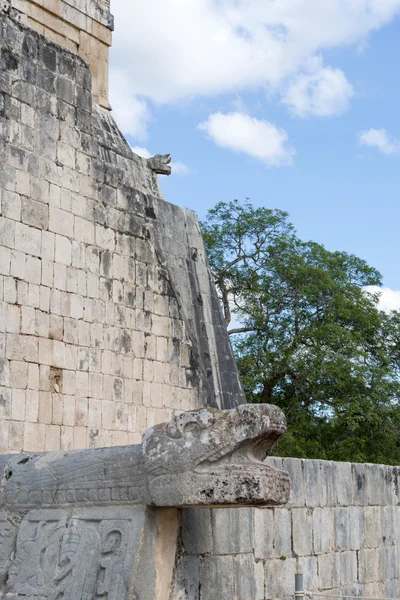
[
  {"x": 308, "y": 565},
  {"x": 63, "y": 251},
  {"x": 348, "y": 568},
  {"x": 34, "y": 437},
  {"x": 5, "y": 260},
  {"x": 187, "y": 581},
  {"x": 28, "y": 239},
  {"x": 312, "y": 482},
  {"x": 18, "y": 405},
  {"x": 61, "y": 222},
  {"x": 32, "y": 406},
  {"x": 390, "y": 563},
  {"x": 341, "y": 525},
  {"x": 329, "y": 570},
  {"x": 19, "y": 374},
  {"x": 375, "y": 589},
  {"x": 5, "y": 403},
  {"x": 9, "y": 290},
  {"x": 13, "y": 321},
  {"x": 52, "y": 438},
  {"x": 35, "y": 213},
  {"x": 372, "y": 527},
  {"x": 343, "y": 479},
  {"x": 217, "y": 573},
  {"x": 283, "y": 532},
  {"x": 7, "y": 232},
  {"x": 294, "y": 467},
  {"x": 232, "y": 530},
  {"x": 17, "y": 267},
  {"x": 197, "y": 531},
  {"x": 302, "y": 531},
  {"x": 16, "y": 436},
  {"x": 356, "y": 526},
  {"x": 263, "y": 533},
  {"x": 371, "y": 565},
  {"x": 279, "y": 578},
  {"x": 322, "y": 530},
  {"x": 388, "y": 515},
  {"x": 328, "y": 488},
  {"x": 248, "y": 578}
]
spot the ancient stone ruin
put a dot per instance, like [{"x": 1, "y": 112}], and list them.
[{"x": 110, "y": 328}]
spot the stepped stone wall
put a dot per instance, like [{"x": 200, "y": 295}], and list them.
[
  {"x": 340, "y": 528},
  {"x": 82, "y": 26},
  {"x": 109, "y": 321}
]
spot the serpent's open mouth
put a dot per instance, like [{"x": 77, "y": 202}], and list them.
[
  {"x": 250, "y": 453},
  {"x": 218, "y": 456}
]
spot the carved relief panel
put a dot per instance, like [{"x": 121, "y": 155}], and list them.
[
  {"x": 64, "y": 555},
  {"x": 8, "y": 536}
]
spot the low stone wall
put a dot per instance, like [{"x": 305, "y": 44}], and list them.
[{"x": 340, "y": 528}]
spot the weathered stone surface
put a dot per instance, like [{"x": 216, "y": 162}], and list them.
[
  {"x": 248, "y": 578},
  {"x": 302, "y": 531},
  {"x": 312, "y": 470},
  {"x": 232, "y": 531},
  {"x": 8, "y": 536},
  {"x": 297, "y": 494},
  {"x": 213, "y": 457},
  {"x": 356, "y": 525},
  {"x": 263, "y": 533},
  {"x": 187, "y": 579},
  {"x": 204, "y": 457},
  {"x": 279, "y": 577},
  {"x": 328, "y": 544},
  {"x": 103, "y": 280},
  {"x": 197, "y": 535},
  {"x": 108, "y": 552},
  {"x": 283, "y": 532},
  {"x": 329, "y": 570},
  {"x": 308, "y": 565},
  {"x": 216, "y": 573},
  {"x": 322, "y": 526},
  {"x": 372, "y": 527},
  {"x": 160, "y": 164},
  {"x": 341, "y": 524}
]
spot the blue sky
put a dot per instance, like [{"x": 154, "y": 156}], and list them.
[{"x": 292, "y": 103}]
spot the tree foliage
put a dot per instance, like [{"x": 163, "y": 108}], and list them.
[{"x": 307, "y": 335}]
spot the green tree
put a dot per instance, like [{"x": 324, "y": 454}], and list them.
[{"x": 310, "y": 339}]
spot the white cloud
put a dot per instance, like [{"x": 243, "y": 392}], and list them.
[
  {"x": 324, "y": 93},
  {"x": 178, "y": 167},
  {"x": 131, "y": 113},
  {"x": 381, "y": 140},
  {"x": 241, "y": 133},
  {"x": 143, "y": 152},
  {"x": 180, "y": 49},
  {"x": 389, "y": 300}
]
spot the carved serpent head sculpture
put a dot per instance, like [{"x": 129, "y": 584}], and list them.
[{"x": 206, "y": 457}]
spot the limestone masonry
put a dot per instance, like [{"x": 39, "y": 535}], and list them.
[
  {"x": 82, "y": 26},
  {"x": 109, "y": 321},
  {"x": 110, "y": 326},
  {"x": 340, "y": 528}
]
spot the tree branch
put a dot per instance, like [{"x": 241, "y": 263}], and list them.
[{"x": 241, "y": 330}]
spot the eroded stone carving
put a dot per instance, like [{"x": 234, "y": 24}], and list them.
[
  {"x": 8, "y": 535},
  {"x": 160, "y": 163},
  {"x": 200, "y": 458},
  {"x": 5, "y": 7},
  {"x": 212, "y": 457},
  {"x": 85, "y": 540},
  {"x": 83, "y": 557}
]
